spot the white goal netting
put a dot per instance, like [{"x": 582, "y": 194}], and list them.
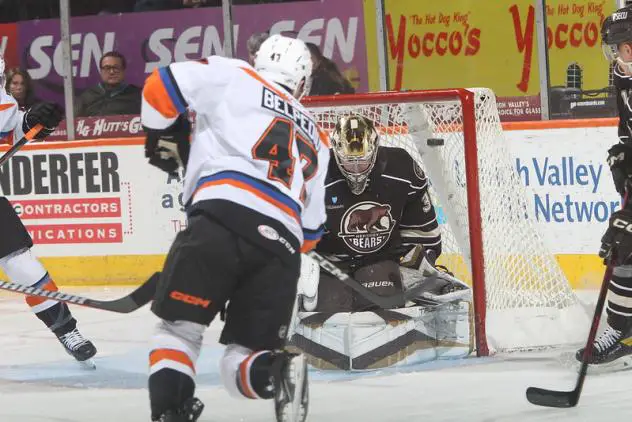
[{"x": 529, "y": 302}]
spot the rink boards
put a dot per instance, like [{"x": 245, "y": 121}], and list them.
[{"x": 100, "y": 215}]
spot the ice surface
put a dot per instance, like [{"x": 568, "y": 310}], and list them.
[{"x": 39, "y": 382}]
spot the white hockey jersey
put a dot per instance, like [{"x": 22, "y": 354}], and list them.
[
  {"x": 10, "y": 118},
  {"x": 254, "y": 144}
]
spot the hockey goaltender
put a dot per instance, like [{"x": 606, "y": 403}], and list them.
[{"x": 382, "y": 230}]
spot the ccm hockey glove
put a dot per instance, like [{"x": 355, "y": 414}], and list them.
[{"x": 618, "y": 239}]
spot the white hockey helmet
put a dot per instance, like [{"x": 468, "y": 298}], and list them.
[{"x": 286, "y": 61}]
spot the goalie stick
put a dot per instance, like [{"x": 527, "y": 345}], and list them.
[
  {"x": 554, "y": 398},
  {"x": 28, "y": 136},
  {"x": 124, "y": 305},
  {"x": 386, "y": 302}
]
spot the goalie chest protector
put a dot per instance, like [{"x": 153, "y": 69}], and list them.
[{"x": 370, "y": 222}]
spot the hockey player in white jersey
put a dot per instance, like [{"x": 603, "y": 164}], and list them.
[
  {"x": 16, "y": 258},
  {"x": 254, "y": 188}
]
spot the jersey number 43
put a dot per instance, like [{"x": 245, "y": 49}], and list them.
[{"x": 275, "y": 146}]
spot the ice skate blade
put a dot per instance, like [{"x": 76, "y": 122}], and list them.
[
  {"x": 87, "y": 364},
  {"x": 621, "y": 364},
  {"x": 294, "y": 411}
]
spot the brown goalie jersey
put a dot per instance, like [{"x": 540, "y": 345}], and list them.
[{"x": 391, "y": 216}]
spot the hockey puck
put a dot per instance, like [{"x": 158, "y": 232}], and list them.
[{"x": 435, "y": 142}]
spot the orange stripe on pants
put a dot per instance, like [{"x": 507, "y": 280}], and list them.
[{"x": 36, "y": 300}]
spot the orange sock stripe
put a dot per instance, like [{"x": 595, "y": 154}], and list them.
[
  {"x": 170, "y": 354},
  {"x": 244, "y": 372},
  {"x": 36, "y": 300}
]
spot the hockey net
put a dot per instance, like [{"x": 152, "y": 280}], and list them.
[{"x": 522, "y": 299}]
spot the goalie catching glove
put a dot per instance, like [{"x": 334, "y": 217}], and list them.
[
  {"x": 618, "y": 239},
  {"x": 168, "y": 149},
  {"x": 47, "y": 114}
]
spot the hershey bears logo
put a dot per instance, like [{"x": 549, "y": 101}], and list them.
[{"x": 366, "y": 226}]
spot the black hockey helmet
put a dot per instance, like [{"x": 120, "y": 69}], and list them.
[{"x": 616, "y": 29}]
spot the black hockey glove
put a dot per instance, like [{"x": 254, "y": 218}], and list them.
[
  {"x": 168, "y": 149},
  {"x": 620, "y": 162},
  {"x": 617, "y": 240},
  {"x": 47, "y": 114}
]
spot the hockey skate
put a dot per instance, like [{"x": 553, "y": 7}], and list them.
[
  {"x": 189, "y": 412},
  {"x": 611, "y": 351},
  {"x": 291, "y": 392},
  {"x": 78, "y": 347}
]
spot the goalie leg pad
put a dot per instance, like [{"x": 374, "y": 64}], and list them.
[
  {"x": 14, "y": 237},
  {"x": 384, "y": 338}
]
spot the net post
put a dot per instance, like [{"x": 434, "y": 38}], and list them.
[{"x": 468, "y": 106}]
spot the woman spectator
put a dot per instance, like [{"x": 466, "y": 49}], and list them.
[
  {"x": 326, "y": 77},
  {"x": 20, "y": 86}
]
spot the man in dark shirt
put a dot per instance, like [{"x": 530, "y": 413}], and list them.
[{"x": 112, "y": 96}]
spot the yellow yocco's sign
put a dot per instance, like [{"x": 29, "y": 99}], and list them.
[{"x": 457, "y": 43}]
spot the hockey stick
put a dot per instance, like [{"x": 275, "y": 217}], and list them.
[
  {"x": 133, "y": 301},
  {"x": 28, "y": 136},
  {"x": 386, "y": 302},
  {"x": 553, "y": 398}
]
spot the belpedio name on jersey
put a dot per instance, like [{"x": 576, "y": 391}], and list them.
[{"x": 274, "y": 102}]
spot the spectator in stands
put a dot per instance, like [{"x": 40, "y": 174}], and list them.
[
  {"x": 326, "y": 77},
  {"x": 253, "y": 44},
  {"x": 112, "y": 96},
  {"x": 20, "y": 86}
]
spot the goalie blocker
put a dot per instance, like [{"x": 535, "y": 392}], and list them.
[{"x": 338, "y": 329}]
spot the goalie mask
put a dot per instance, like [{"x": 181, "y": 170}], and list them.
[
  {"x": 355, "y": 144},
  {"x": 617, "y": 30}
]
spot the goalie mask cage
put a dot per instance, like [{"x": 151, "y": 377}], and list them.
[{"x": 522, "y": 299}]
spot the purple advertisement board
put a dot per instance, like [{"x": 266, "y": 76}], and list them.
[{"x": 152, "y": 39}]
